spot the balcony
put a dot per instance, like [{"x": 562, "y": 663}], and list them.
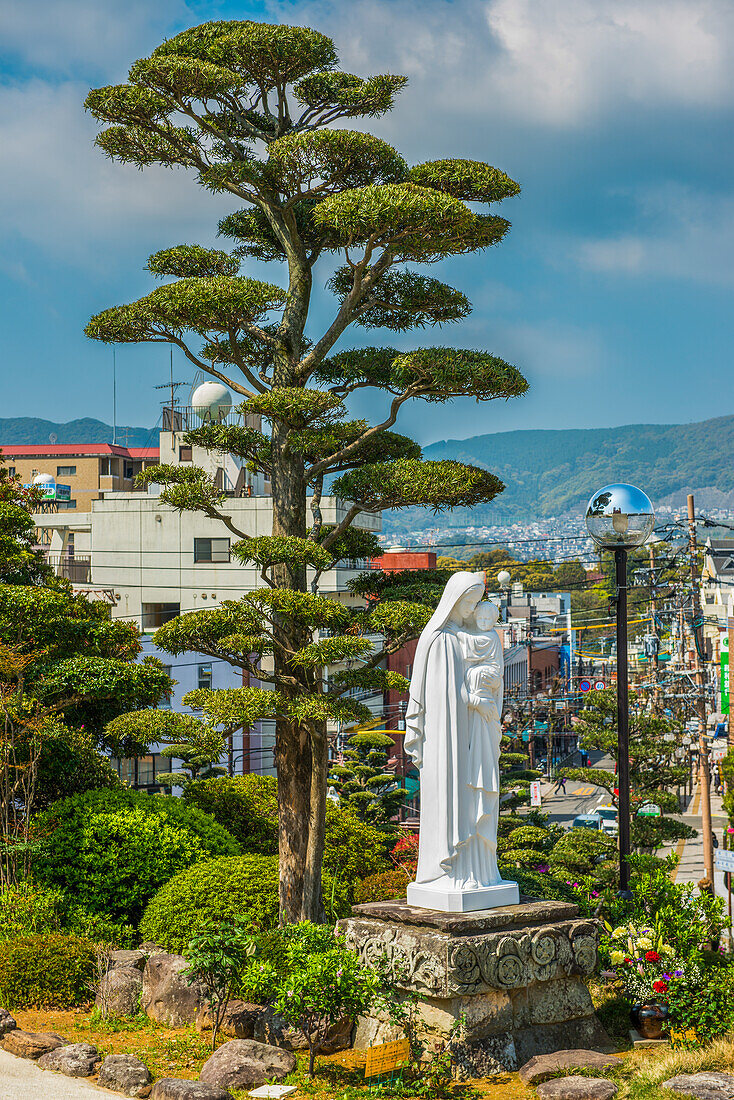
[{"x": 76, "y": 568}]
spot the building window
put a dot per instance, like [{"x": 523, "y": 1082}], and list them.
[
  {"x": 127, "y": 470},
  {"x": 108, "y": 467},
  {"x": 205, "y": 677},
  {"x": 211, "y": 550},
  {"x": 185, "y": 454},
  {"x": 11, "y": 471},
  {"x": 65, "y": 471},
  {"x": 65, "y": 505},
  {"x": 156, "y": 614}
]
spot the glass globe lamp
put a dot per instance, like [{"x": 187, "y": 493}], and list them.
[{"x": 619, "y": 517}]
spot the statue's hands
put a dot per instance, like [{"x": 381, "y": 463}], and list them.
[{"x": 488, "y": 679}]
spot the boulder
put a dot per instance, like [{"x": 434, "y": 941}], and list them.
[
  {"x": 704, "y": 1086},
  {"x": 545, "y": 1066},
  {"x": 272, "y": 1029},
  {"x": 120, "y": 991},
  {"x": 166, "y": 995},
  {"x": 73, "y": 1059},
  {"x": 171, "y": 1088},
  {"x": 577, "y": 1088},
  {"x": 245, "y": 1064},
  {"x": 239, "y": 1019},
  {"x": 7, "y": 1022},
  {"x": 338, "y": 1037},
  {"x": 31, "y": 1044},
  {"x": 128, "y": 958},
  {"x": 126, "y": 1074}
]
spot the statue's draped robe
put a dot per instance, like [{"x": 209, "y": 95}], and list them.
[
  {"x": 458, "y": 801},
  {"x": 479, "y": 858}
]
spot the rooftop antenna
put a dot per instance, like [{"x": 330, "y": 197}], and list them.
[
  {"x": 114, "y": 394},
  {"x": 172, "y": 386}
]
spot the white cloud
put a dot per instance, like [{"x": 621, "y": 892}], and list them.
[
  {"x": 681, "y": 234},
  {"x": 558, "y": 63},
  {"x": 61, "y": 36},
  {"x": 59, "y": 192}
]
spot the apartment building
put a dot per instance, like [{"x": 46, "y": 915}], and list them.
[{"x": 88, "y": 470}]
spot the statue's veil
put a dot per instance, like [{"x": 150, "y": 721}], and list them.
[{"x": 458, "y": 586}]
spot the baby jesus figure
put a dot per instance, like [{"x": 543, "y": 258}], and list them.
[{"x": 483, "y": 660}]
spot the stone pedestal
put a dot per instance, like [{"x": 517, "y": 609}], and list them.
[{"x": 515, "y": 973}]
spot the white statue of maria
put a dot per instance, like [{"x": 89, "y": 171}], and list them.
[{"x": 453, "y": 733}]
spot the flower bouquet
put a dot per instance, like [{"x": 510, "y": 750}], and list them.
[{"x": 645, "y": 965}]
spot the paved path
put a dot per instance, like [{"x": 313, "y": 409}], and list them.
[{"x": 21, "y": 1079}]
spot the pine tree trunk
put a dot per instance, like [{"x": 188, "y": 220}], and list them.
[{"x": 301, "y": 790}]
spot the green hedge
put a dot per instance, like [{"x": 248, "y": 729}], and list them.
[
  {"x": 388, "y": 886},
  {"x": 246, "y": 805},
  {"x": 111, "y": 850},
  {"x": 54, "y": 971},
  {"x": 244, "y": 887}
]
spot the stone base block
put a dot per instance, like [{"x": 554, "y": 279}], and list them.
[
  {"x": 463, "y": 901},
  {"x": 514, "y": 974}
]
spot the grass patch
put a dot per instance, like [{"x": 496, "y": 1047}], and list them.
[{"x": 612, "y": 1010}]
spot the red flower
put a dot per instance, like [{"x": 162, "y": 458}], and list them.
[
  {"x": 652, "y": 956},
  {"x": 660, "y": 986},
  {"x": 628, "y": 960}
]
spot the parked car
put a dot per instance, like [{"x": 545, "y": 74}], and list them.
[
  {"x": 586, "y": 821},
  {"x": 609, "y": 819}
]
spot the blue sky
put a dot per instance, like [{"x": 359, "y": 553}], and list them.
[{"x": 613, "y": 292}]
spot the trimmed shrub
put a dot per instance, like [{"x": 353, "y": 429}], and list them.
[
  {"x": 246, "y": 805},
  {"x": 580, "y": 851},
  {"x": 111, "y": 850},
  {"x": 28, "y": 909},
  {"x": 353, "y": 849},
  {"x": 529, "y": 836},
  {"x": 245, "y": 887},
  {"x": 54, "y": 971},
  {"x": 389, "y": 886},
  {"x": 536, "y": 884}
]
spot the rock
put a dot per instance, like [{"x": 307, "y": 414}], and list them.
[
  {"x": 31, "y": 1044},
  {"x": 577, "y": 1088},
  {"x": 171, "y": 1088},
  {"x": 338, "y": 1037},
  {"x": 704, "y": 1086},
  {"x": 239, "y": 1019},
  {"x": 545, "y": 1066},
  {"x": 166, "y": 995},
  {"x": 245, "y": 1064},
  {"x": 371, "y": 1031},
  {"x": 7, "y": 1022},
  {"x": 120, "y": 990},
  {"x": 126, "y": 1074},
  {"x": 272, "y": 1029},
  {"x": 152, "y": 949},
  {"x": 73, "y": 1059},
  {"x": 128, "y": 958}
]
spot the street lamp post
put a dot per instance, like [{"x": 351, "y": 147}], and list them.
[{"x": 618, "y": 518}]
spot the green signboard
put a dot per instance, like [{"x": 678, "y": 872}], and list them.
[{"x": 725, "y": 674}]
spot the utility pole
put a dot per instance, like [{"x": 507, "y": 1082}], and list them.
[
  {"x": 653, "y": 616},
  {"x": 703, "y": 755}
]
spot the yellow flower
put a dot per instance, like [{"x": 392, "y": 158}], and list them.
[
  {"x": 619, "y": 933},
  {"x": 616, "y": 957},
  {"x": 644, "y": 944}
]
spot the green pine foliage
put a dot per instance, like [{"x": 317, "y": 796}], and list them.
[{"x": 257, "y": 112}]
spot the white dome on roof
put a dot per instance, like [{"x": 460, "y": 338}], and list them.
[
  {"x": 211, "y": 401},
  {"x": 44, "y": 479}
]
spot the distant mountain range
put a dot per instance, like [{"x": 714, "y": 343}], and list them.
[
  {"x": 547, "y": 473},
  {"x": 553, "y": 473},
  {"x": 28, "y": 429}
]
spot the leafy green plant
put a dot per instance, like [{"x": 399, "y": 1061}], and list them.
[
  {"x": 387, "y": 886},
  {"x": 246, "y": 805},
  {"x": 46, "y": 971},
  {"x": 323, "y": 983},
  {"x": 112, "y": 849},
  {"x": 216, "y": 957},
  {"x": 701, "y": 1003},
  {"x": 212, "y": 891},
  {"x": 363, "y": 781}
]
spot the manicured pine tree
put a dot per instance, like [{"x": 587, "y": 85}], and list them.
[
  {"x": 255, "y": 111},
  {"x": 363, "y": 781}
]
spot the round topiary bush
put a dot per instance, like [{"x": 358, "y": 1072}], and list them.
[
  {"x": 245, "y": 887},
  {"x": 246, "y": 805},
  {"x": 389, "y": 886},
  {"x": 54, "y": 971},
  {"x": 112, "y": 849}
]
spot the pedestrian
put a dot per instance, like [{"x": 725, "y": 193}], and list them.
[{"x": 560, "y": 784}]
